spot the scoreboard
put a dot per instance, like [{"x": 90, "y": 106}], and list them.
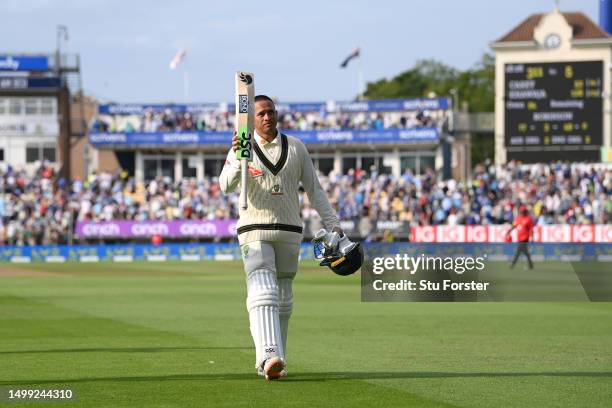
[{"x": 553, "y": 111}]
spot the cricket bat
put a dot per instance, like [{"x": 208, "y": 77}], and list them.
[{"x": 245, "y": 116}]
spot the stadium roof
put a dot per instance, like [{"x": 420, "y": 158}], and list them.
[{"x": 583, "y": 28}]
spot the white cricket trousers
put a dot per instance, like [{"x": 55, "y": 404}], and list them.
[{"x": 270, "y": 268}]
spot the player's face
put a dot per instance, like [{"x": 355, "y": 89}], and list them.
[{"x": 265, "y": 118}]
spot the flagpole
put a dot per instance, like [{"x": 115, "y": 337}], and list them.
[
  {"x": 360, "y": 88},
  {"x": 185, "y": 85},
  {"x": 360, "y": 82}
]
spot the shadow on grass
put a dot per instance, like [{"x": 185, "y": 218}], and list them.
[
  {"x": 122, "y": 350},
  {"x": 316, "y": 377}
]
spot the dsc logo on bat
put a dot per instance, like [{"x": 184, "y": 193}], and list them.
[{"x": 245, "y": 145}]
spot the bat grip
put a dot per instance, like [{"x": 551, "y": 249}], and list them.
[{"x": 244, "y": 171}]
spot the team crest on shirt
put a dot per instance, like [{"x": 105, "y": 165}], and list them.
[{"x": 276, "y": 190}]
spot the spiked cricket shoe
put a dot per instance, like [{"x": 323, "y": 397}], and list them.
[{"x": 273, "y": 367}]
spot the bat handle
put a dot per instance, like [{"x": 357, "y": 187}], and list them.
[{"x": 244, "y": 171}]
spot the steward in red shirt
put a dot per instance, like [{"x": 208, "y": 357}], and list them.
[{"x": 524, "y": 228}]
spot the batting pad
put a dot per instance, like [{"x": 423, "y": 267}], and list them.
[
  {"x": 263, "y": 307},
  {"x": 285, "y": 307}
]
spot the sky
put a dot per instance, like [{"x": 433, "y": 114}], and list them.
[{"x": 294, "y": 48}]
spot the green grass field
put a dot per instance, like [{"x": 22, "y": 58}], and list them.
[{"x": 176, "y": 335}]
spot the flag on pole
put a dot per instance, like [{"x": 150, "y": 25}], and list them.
[
  {"x": 180, "y": 55},
  {"x": 354, "y": 54}
]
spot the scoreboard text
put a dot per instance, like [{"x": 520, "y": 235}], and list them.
[{"x": 553, "y": 107}]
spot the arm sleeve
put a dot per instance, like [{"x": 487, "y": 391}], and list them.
[
  {"x": 315, "y": 192},
  {"x": 230, "y": 175}
]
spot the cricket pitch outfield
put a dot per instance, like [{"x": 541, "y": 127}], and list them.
[{"x": 175, "y": 334}]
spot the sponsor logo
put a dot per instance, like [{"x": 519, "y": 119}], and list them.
[
  {"x": 277, "y": 190},
  {"x": 603, "y": 233},
  {"x": 477, "y": 233},
  {"x": 388, "y": 225},
  {"x": 497, "y": 233},
  {"x": 245, "y": 251},
  {"x": 255, "y": 172},
  {"x": 9, "y": 63},
  {"x": 180, "y": 138},
  {"x": 421, "y": 134},
  {"x": 450, "y": 234},
  {"x": 126, "y": 109},
  {"x": 246, "y": 78},
  {"x": 243, "y": 104},
  {"x": 353, "y": 106},
  {"x": 424, "y": 234},
  {"x": 199, "y": 229},
  {"x": 108, "y": 138},
  {"x": 245, "y": 136},
  {"x": 422, "y": 104},
  {"x": 245, "y": 145},
  {"x": 334, "y": 136},
  {"x": 101, "y": 230},
  {"x": 556, "y": 233},
  {"x": 583, "y": 233},
  {"x": 149, "y": 229}
]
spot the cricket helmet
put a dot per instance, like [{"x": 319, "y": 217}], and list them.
[
  {"x": 344, "y": 265},
  {"x": 339, "y": 254}
]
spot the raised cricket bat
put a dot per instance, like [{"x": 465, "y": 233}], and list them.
[{"x": 245, "y": 116}]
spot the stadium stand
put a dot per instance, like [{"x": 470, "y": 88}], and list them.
[
  {"x": 168, "y": 120},
  {"x": 41, "y": 208}
]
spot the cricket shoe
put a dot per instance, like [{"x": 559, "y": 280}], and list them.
[
  {"x": 273, "y": 368},
  {"x": 260, "y": 372}
]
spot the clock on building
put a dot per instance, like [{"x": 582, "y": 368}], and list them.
[{"x": 552, "y": 41}]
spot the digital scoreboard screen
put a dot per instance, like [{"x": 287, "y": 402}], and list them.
[{"x": 553, "y": 111}]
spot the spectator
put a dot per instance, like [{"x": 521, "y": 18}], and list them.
[
  {"x": 35, "y": 209},
  {"x": 169, "y": 120}
]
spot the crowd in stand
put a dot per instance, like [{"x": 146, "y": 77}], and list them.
[
  {"x": 555, "y": 194},
  {"x": 361, "y": 120},
  {"x": 169, "y": 121},
  {"x": 164, "y": 121},
  {"x": 42, "y": 209},
  {"x": 34, "y": 208}
]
